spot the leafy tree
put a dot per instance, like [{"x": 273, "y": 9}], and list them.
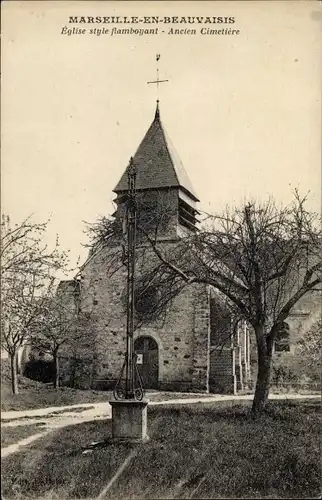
[
  {"x": 28, "y": 274},
  {"x": 309, "y": 351},
  {"x": 61, "y": 325}
]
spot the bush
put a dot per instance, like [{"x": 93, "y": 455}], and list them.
[
  {"x": 284, "y": 370},
  {"x": 79, "y": 373},
  {"x": 40, "y": 369}
]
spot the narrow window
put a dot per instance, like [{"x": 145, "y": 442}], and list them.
[{"x": 282, "y": 342}]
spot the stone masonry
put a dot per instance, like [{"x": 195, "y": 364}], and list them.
[{"x": 182, "y": 336}]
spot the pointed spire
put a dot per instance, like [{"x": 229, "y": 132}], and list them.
[
  {"x": 158, "y": 165},
  {"x": 157, "y": 111}
]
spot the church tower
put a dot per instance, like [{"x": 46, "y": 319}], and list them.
[{"x": 166, "y": 198}]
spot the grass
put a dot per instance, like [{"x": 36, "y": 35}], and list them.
[
  {"x": 212, "y": 450},
  {"x": 11, "y": 435},
  {"x": 34, "y": 394},
  {"x": 44, "y": 396}
]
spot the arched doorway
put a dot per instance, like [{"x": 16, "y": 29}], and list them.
[{"x": 148, "y": 361}]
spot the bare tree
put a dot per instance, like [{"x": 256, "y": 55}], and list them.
[
  {"x": 261, "y": 257},
  {"x": 264, "y": 259},
  {"x": 28, "y": 270}
]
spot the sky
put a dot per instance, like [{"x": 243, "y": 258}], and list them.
[{"x": 243, "y": 111}]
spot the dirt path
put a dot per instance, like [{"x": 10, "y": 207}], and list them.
[
  {"x": 13, "y": 448},
  {"x": 80, "y": 413},
  {"x": 68, "y": 414},
  {"x": 93, "y": 408},
  {"x": 51, "y": 420}
]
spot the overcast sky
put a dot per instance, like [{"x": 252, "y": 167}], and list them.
[{"x": 243, "y": 112}]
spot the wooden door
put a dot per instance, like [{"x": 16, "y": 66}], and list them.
[{"x": 149, "y": 368}]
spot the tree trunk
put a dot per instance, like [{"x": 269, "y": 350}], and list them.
[
  {"x": 264, "y": 356},
  {"x": 56, "y": 371},
  {"x": 73, "y": 371},
  {"x": 14, "y": 375},
  {"x": 262, "y": 384}
]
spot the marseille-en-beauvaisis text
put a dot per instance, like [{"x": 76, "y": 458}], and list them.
[{"x": 151, "y": 20}]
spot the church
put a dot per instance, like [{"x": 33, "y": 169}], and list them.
[
  {"x": 195, "y": 346},
  {"x": 179, "y": 351}
]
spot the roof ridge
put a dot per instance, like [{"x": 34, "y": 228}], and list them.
[
  {"x": 166, "y": 140},
  {"x": 173, "y": 153},
  {"x": 144, "y": 137}
]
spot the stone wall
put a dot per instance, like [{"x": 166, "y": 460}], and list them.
[
  {"x": 222, "y": 378},
  {"x": 222, "y": 374},
  {"x": 201, "y": 339}
]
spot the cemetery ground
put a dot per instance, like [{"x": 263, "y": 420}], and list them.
[
  {"x": 33, "y": 394},
  {"x": 196, "y": 450},
  {"x": 209, "y": 449}
]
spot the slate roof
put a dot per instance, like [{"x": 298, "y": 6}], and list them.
[{"x": 158, "y": 165}]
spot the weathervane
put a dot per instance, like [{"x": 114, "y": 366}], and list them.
[{"x": 157, "y": 81}]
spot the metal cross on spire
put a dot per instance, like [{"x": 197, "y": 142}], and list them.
[{"x": 158, "y": 81}]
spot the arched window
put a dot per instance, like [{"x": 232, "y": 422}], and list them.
[
  {"x": 146, "y": 301},
  {"x": 220, "y": 323},
  {"x": 282, "y": 341},
  {"x": 145, "y": 344}
]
